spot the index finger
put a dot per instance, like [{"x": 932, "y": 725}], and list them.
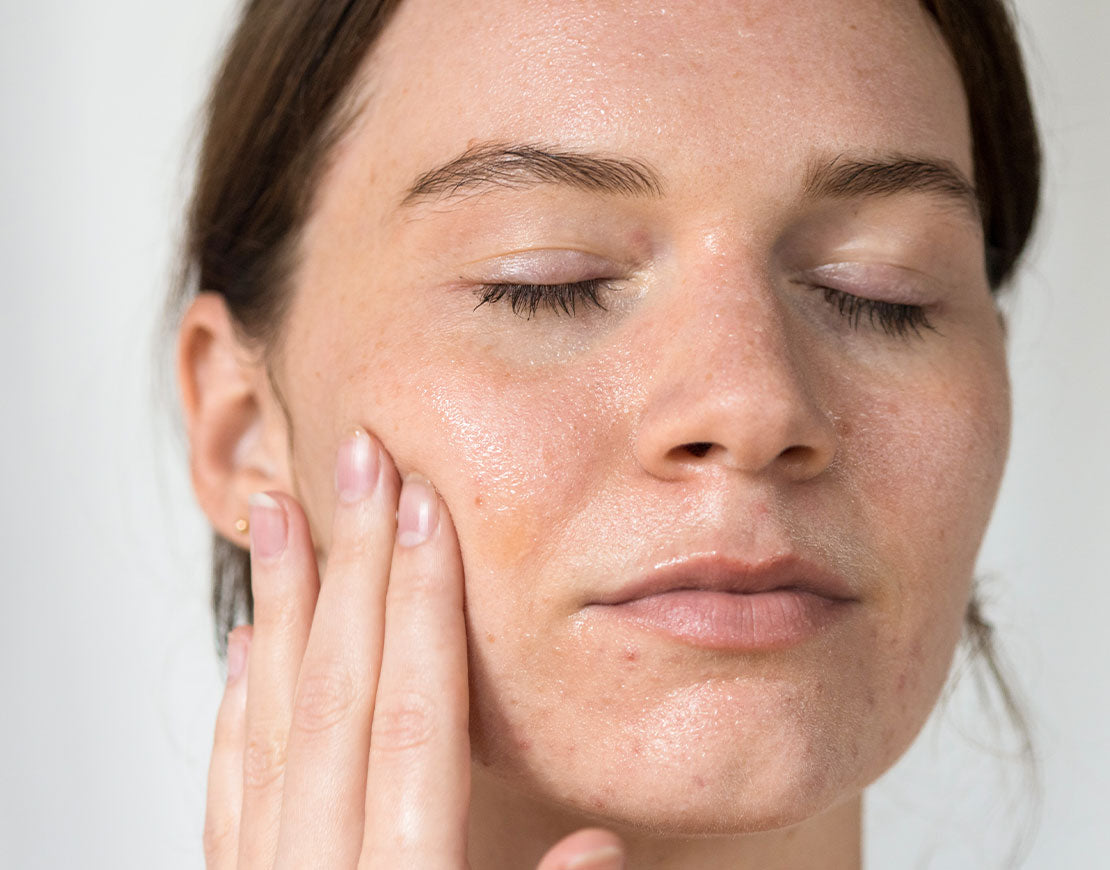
[{"x": 418, "y": 782}]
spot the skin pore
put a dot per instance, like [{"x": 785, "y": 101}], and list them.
[{"x": 561, "y": 444}]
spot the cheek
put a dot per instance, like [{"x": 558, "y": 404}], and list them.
[
  {"x": 927, "y": 464},
  {"x": 930, "y": 460},
  {"x": 516, "y": 462},
  {"x": 513, "y": 455}
]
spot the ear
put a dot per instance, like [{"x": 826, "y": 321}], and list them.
[{"x": 235, "y": 425}]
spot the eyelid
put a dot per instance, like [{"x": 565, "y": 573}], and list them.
[
  {"x": 543, "y": 266},
  {"x": 878, "y": 281}
]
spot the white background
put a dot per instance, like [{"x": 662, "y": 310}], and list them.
[{"x": 109, "y": 683}]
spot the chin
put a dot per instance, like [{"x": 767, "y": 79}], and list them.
[
  {"x": 714, "y": 787},
  {"x": 703, "y": 803}
]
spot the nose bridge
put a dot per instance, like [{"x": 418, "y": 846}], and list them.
[
  {"x": 735, "y": 319},
  {"x": 732, "y": 384},
  {"x": 736, "y": 323}
]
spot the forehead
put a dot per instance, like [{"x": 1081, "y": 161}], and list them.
[{"x": 710, "y": 85}]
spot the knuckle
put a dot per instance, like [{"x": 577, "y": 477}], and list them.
[
  {"x": 263, "y": 760},
  {"x": 325, "y": 697},
  {"x": 403, "y": 724},
  {"x": 278, "y": 615},
  {"x": 350, "y": 553},
  {"x": 422, "y": 586}
]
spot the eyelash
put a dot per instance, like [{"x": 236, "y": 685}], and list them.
[
  {"x": 555, "y": 297},
  {"x": 896, "y": 319}
]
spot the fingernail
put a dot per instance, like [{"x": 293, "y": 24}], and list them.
[
  {"x": 236, "y": 655},
  {"x": 605, "y": 858},
  {"x": 268, "y": 530},
  {"x": 356, "y": 470},
  {"x": 417, "y": 512}
]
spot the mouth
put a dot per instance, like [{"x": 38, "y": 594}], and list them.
[{"x": 726, "y": 604}]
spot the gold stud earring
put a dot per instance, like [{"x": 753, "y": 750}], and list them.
[{"x": 242, "y": 526}]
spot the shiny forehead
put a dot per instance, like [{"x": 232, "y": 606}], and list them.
[{"x": 729, "y": 81}]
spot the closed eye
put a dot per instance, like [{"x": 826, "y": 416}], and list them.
[
  {"x": 896, "y": 319},
  {"x": 527, "y": 299}
]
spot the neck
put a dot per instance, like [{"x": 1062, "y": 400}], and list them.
[{"x": 512, "y": 830}]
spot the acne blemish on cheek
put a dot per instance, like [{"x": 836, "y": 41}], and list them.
[{"x": 491, "y": 638}]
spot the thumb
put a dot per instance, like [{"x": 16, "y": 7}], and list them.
[{"x": 588, "y": 849}]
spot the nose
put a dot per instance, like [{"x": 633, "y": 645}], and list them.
[{"x": 733, "y": 386}]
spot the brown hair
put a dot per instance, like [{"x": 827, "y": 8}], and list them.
[{"x": 282, "y": 98}]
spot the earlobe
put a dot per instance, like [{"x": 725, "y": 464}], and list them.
[{"x": 233, "y": 423}]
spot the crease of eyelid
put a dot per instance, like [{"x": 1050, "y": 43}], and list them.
[
  {"x": 815, "y": 281},
  {"x": 842, "y": 266},
  {"x": 604, "y": 269},
  {"x": 893, "y": 278},
  {"x": 534, "y": 254}
]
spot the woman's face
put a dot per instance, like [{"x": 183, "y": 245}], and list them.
[{"x": 566, "y": 447}]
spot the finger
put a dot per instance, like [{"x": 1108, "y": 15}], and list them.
[
  {"x": 325, "y": 779},
  {"x": 284, "y": 583},
  {"x": 418, "y": 785},
  {"x": 225, "y": 770},
  {"x": 588, "y": 849}
]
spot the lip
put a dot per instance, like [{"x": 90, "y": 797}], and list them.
[
  {"x": 715, "y": 573},
  {"x": 727, "y": 604}
]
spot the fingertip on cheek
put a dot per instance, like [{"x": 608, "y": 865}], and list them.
[
  {"x": 357, "y": 465},
  {"x": 417, "y": 512}
]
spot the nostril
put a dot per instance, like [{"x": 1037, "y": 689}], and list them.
[
  {"x": 700, "y": 448},
  {"x": 797, "y": 453}
]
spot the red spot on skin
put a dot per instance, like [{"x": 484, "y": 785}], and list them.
[
  {"x": 699, "y": 782},
  {"x": 631, "y": 654},
  {"x": 477, "y": 501},
  {"x": 523, "y": 744},
  {"x": 491, "y": 638}
]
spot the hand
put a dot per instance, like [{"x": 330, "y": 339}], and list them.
[{"x": 342, "y": 738}]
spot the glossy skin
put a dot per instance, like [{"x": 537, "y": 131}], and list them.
[{"x": 558, "y": 444}]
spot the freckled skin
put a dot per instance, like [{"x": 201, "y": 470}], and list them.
[{"x": 557, "y": 444}]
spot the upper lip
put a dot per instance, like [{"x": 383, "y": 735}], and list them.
[{"x": 718, "y": 573}]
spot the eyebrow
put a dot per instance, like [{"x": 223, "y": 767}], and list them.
[
  {"x": 497, "y": 165},
  {"x": 845, "y": 178},
  {"x": 519, "y": 166}
]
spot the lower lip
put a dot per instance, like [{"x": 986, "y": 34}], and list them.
[{"x": 747, "y": 622}]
